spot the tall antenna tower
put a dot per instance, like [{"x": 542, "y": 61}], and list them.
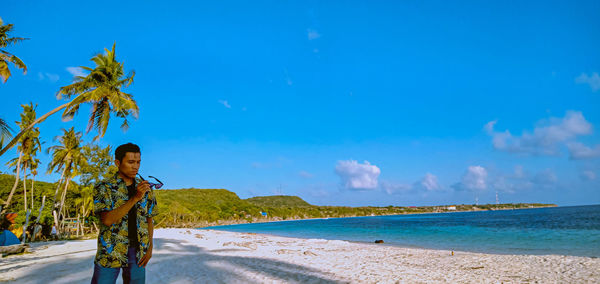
[
  {"x": 476, "y": 200},
  {"x": 497, "y": 202}
]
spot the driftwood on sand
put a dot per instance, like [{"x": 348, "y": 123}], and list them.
[{"x": 18, "y": 248}]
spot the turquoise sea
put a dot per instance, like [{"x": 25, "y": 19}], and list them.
[{"x": 571, "y": 230}]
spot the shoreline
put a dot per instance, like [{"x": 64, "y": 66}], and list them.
[
  {"x": 238, "y": 222},
  {"x": 191, "y": 255}
]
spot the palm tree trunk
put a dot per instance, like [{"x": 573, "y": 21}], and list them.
[
  {"x": 12, "y": 191},
  {"x": 23, "y": 131},
  {"x": 54, "y": 213},
  {"x": 32, "y": 196},
  {"x": 62, "y": 176},
  {"x": 25, "y": 187},
  {"x": 64, "y": 195}
]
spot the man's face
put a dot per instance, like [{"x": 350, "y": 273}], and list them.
[{"x": 130, "y": 165}]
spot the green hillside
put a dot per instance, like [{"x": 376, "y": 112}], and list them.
[
  {"x": 278, "y": 201},
  {"x": 193, "y": 207}
]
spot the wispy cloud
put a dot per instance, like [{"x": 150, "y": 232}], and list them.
[
  {"x": 356, "y": 176},
  {"x": 76, "y": 71},
  {"x": 593, "y": 81},
  {"x": 428, "y": 182},
  {"x": 474, "y": 179},
  {"x": 522, "y": 180},
  {"x": 588, "y": 175},
  {"x": 395, "y": 188},
  {"x": 313, "y": 34},
  {"x": 545, "y": 139},
  {"x": 48, "y": 76},
  {"x": 225, "y": 103},
  {"x": 579, "y": 151}
]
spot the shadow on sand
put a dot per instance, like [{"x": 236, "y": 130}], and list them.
[{"x": 186, "y": 264}]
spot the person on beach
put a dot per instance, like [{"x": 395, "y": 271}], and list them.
[{"x": 125, "y": 207}]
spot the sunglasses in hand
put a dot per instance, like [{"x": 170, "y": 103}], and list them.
[{"x": 153, "y": 185}]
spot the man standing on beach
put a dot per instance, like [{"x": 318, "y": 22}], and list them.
[{"x": 125, "y": 207}]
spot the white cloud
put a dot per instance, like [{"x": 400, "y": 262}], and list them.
[
  {"x": 428, "y": 182},
  {"x": 392, "y": 188},
  {"x": 593, "y": 81},
  {"x": 225, "y": 103},
  {"x": 474, "y": 179},
  {"x": 588, "y": 175},
  {"x": 489, "y": 127},
  {"x": 305, "y": 174},
  {"x": 580, "y": 151},
  {"x": 313, "y": 34},
  {"x": 545, "y": 138},
  {"x": 76, "y": 71},
  {"x": 521, "y": 181},
  {"x": 48, "y": 76},
  {"x": 357, "y": 176}
]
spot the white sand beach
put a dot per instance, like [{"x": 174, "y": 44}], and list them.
[{"x": 207, "y": 256}]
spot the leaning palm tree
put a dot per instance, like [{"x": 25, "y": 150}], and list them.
[
  {"x": 101, "y": 88},
  {"x": 5, "y": 56},
  {"x": 67, "y": 158}
]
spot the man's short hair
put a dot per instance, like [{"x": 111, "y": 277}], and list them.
[{"x": 123, "y": 149}]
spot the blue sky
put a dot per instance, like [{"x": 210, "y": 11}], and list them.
[{"x": 338, "y": 102}]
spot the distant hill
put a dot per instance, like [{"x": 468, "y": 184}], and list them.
[
  {"x": 278, "y": 201},
  {"x": 201, "y": 206}
]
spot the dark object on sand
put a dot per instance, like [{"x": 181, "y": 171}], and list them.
[{"x": 379, "y": 241}]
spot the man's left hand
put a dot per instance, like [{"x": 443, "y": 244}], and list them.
[{"x": 144, "y": 261}]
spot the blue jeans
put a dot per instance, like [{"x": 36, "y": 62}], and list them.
[{"x": 131, "y": 274}]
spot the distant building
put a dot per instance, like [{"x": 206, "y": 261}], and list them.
[{"x": 451, "y": 208}]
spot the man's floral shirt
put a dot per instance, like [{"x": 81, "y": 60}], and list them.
[{"x": 113, "y": 240}]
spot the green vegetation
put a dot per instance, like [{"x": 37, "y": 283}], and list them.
[{"x": 41, "y": 189}]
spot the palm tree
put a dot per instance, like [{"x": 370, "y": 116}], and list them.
[
  {"x": 5, "y": 131},
  {"x": 28, "y": 147},
  {"x": 5, "y": 56},
  {"x": 67, "y": 158},
  {"x": 101, "y": 88}
]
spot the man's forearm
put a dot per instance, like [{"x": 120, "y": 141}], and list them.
[{"x": 110, "y": 217}]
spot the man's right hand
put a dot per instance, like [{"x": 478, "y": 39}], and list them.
[{"x": 141, "y": 189}]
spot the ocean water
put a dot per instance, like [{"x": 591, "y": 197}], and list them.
[{"x": 556, "y": 230}]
